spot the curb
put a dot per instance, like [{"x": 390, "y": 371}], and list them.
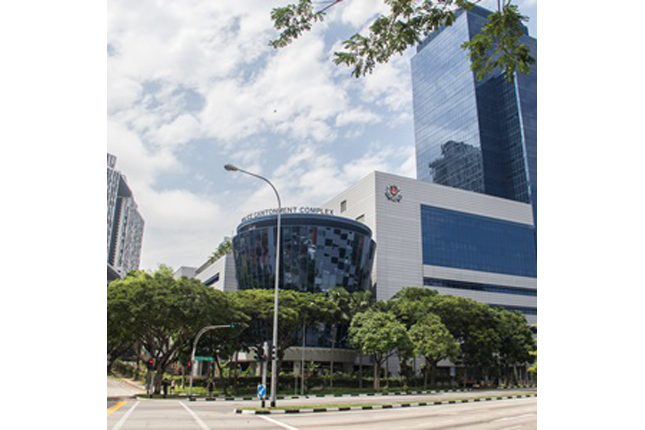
[
  {"x": 119, "y": 398},
  {"x": 314, "y": 396},
  {"x": 376, "y": 407}
]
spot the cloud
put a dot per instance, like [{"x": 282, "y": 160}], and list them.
[{"x": 195, "y": 82}]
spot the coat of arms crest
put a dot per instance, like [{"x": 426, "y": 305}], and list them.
[{"x": 393, "y": 193}]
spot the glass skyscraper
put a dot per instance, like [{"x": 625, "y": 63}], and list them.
[{"x": 474, "y": 135}]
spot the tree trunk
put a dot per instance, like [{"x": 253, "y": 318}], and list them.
[
  {"x": 425, "y": 375},
  {"x": 157, "y": 380},
  {"x": 331, "y": 368},
  {"x": 221, "y": 374},
  {"x": 360, "y": 369},
  {"x": 433, "y": 374},
  {"x": 236, "y": 379},
  {"x": 387, "y": 373},
  {"x": 377, "y": 369}
]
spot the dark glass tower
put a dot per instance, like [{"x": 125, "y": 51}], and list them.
[{"x": 475, "y": 135}]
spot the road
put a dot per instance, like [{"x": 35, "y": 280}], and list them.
[{"x": 512, "y": 414}]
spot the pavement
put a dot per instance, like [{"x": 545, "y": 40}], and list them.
[
  {"x": 121, "y": 388},
  {"x": 516, "y": 414}
]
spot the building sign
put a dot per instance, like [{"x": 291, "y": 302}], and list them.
[
  {"x": 393, "y": 193},
  {"x": 289, "y": 210}
]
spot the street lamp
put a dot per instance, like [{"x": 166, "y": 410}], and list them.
[
  {"x": 274, "y": 358},
  {"x": 192, "y": 354}
]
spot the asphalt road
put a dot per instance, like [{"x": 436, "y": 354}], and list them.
[{"x": 512, "y": 414}]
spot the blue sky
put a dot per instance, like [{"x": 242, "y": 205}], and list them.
[{"x": 193, "y": 85}]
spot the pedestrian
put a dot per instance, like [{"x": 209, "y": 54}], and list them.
[
  {"x": 211, "y": 388},
  {"x": 165, "y": 383}
]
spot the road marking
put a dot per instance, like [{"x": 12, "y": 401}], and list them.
[
  {"x": 115, "y": 407},
  {"x": 512, "y": 418},
  {"x": 199, "y": 421},
  {"x": 271, "y": 420},
  {"x": 118, "y": 425}
]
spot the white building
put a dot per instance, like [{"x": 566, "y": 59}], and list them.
[
  {"x": 456, "y": 242},
  {"x": 219, "y": 274}
]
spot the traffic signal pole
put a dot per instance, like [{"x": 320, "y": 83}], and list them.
[
  {"x": 192, "y": 355},
  {"x": 264, "y": 368}
]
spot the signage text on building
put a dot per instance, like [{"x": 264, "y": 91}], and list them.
[{"x": 289, "y": 210}]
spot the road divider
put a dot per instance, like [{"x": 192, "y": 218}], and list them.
[
  {"x": 317, "y": 409},
  {"x": 315, "y": 396}
]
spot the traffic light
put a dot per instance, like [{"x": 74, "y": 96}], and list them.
[
  {"x": 151, "y": 363},
  {"x": 260, "y": 355},
  {"x": 189, "y": 365}
]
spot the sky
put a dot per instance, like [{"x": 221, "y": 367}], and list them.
[{"x": 193, "y": 85}]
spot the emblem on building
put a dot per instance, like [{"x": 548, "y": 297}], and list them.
[{"x": 393, "y": 193}]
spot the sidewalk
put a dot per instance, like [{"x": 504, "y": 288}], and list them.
[{"x": 118, "y": 388}]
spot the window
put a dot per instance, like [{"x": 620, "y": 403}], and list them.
[
  {"x": 467, "y": 241},
  {"x": 210, "y": 281},
  {"x": 343, "y": 206}
]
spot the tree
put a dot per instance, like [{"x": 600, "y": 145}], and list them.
[
  {"x": 408, "y": 22},
  {"x": 294, "y": 309},
  {"x": 359, "y": 302},
  {"x": 474, "y": 325},
  {"x": 342, "y": 314},
  {"x": 411, "y": 304},
  {"x": 224, "y": 248},
  {"x": 119, "y": 339},
  {"x": 434, "y": 342},
  {"x": 516, "y": 341},
  {"x": 164, "y": 314},
  {"x": 378, "y": 334}
]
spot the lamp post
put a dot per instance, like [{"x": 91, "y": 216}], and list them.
[
  {"x": 274, "y": 356},
  {"x": 192, "y": 354}
]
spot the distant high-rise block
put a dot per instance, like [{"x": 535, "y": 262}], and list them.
[
  {"x": 124, "y": 225},
  {"x": 474, "y": 135}
]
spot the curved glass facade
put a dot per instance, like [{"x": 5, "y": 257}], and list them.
[{"x": 318, "y": 253}]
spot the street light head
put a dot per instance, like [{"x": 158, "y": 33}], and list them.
[{"x": 231, "y": 168}]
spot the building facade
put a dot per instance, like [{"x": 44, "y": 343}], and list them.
[
  {"x": 124, "y": 225},
  {"x": 474, "y": 135},
  {"x": 319, "y": 253},
  {"x": 454, "y": 241}
]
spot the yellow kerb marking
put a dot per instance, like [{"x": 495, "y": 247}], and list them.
[{"x": 115, "y": 407}]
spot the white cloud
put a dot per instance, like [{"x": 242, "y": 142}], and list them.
[
  {"x": 356, "y": 116},
  {"x": 358, "y": 13}
]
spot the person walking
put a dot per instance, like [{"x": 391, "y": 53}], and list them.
[
  {"x": 211, "y": 388},
  {"x": 165, "y": 383}
]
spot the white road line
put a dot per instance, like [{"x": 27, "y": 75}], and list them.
[
  {"x": 271, "y": 420},
  {"x": 118, "y": 425},
  {"x": 512, "y": 418},
  {"x": 200, "y": 422}
]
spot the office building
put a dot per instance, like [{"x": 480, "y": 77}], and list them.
[
  {"x": 319, "y": 253},
  {"x": 454, "y": 241},
  {"x": 474, "y": 135},
  {"x": 124, "y": 225}
]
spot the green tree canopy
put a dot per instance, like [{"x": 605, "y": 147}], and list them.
[
  {"x": 411, "y": 304},
  {"x": 474, "y": 326},
  {"x": 434, "y": 342},
  {"x": 164, "y": 314},
  {"x": 378, "y": 334},
  {"x": 294, "y": 309},
  {"x": 406, "y": 24}
]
